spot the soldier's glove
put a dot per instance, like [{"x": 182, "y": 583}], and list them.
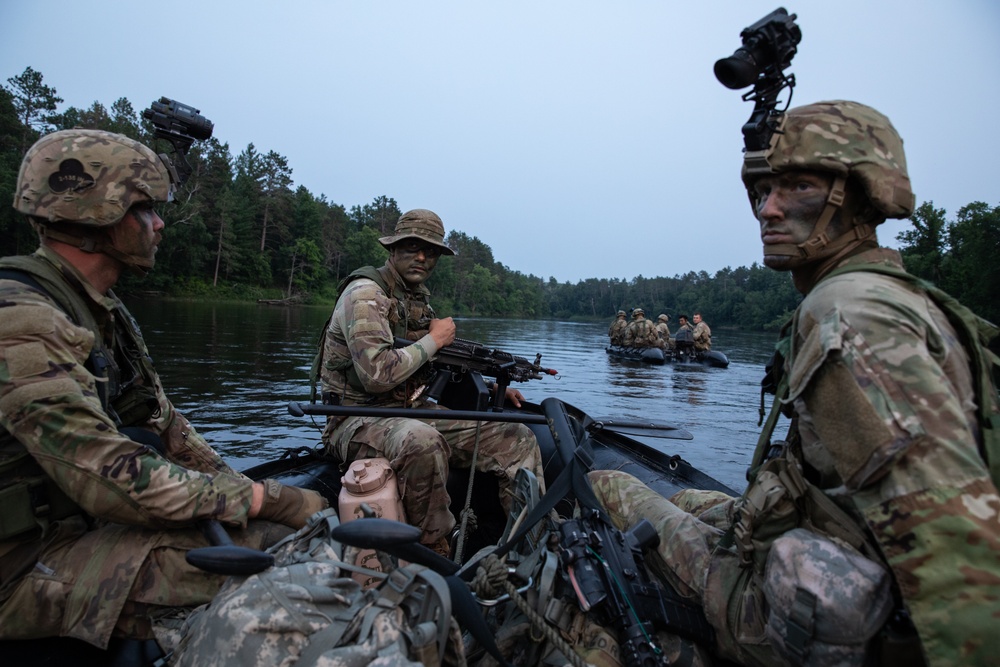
[{"x": 289, "y": 505}]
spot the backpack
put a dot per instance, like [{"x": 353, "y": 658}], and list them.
[{"x": 307, "y": 611}]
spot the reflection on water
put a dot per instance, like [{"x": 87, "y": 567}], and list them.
[{"x": 233, "y": 368}]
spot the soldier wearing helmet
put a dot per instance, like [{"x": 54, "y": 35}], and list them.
[
  {"x": 663, "y": 329},
  {"x": 887, "y": 437},
  {"x": 96, "y": 463},
  {"x": 640, "y": 332},
  {"x": 616, "y": 332},
  {"x": 359, "y": 365}
]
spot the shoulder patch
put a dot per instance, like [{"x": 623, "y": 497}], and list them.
[
  {"x": 27, "y": 360},
  {"x": 27, "y": 320}
]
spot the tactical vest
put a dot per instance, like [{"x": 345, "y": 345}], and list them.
[
  {"x": 28, "y": 497},
  {"x": 409, "y": 316}
]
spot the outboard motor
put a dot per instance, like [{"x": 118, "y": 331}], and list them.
[{"x": 684, "y": 341}]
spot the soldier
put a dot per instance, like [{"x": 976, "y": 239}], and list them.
[
  {"x": 103, "y": 480},
  {"x": 361, "y": 367},
  {"x": 683, "y": 324},
  {"x": 640, "y": 332},
  {"x": 886, "y": 450},
  {"x": 663, "y": 329},
  {"x": 616, "y": 332},
  {"x": 702, "y": 334}
]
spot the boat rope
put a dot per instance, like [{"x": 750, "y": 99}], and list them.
[
  {"x": 467, "y": 511},
  {"x": 550, "y": 633}
]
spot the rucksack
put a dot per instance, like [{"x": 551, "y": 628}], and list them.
[{"x": 307, "y": 611}]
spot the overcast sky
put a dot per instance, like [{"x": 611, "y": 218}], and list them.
[{"x": 577, "y": 139}]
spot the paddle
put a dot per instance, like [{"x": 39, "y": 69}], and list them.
[{"x": 647, "y": 429}]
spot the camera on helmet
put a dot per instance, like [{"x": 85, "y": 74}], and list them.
[{"x": 768, "y": 48}]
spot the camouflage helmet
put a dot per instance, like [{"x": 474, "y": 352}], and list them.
[
  {"x": 843, "y": 138},
  {"x": 621, "y": 313},
  {"x": 420, "y": 224},
  {"x": 89, "y": 178},
  {"x": 662, "y": 317},
  {"x": 636, "y": 312}
]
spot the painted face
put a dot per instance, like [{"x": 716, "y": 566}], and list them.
[
  {"x": 414, "y": 260},
  {"x": 138, "y": 233},
  {"x": 788, "y": 207}
]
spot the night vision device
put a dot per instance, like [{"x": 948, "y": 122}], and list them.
[
  {"x": 181, "y": 125},
  {"x": 768, "y": 48}
]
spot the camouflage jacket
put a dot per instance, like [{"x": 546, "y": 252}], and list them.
[
  {"x": 663, "y": 330},
  {"x": 702, "y": 336},
  {"x": 884, "y": 400},
  {"x": 641, "y": 333},
  {"x": 361, "y": 331},
  {"x": 49, "y": 406},
  {"x": 616, "y": 332}
]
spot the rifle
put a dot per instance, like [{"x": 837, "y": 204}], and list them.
[
  {"x": 607, "y": 572},
  {"x": 464, "y": 356}
]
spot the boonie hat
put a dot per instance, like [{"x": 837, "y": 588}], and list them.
[{"x": 420, "y": 224}]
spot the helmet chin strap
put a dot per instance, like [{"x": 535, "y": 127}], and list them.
[
  {"x": 819, "y": 244},
  {"x": 140, "y": 266}
]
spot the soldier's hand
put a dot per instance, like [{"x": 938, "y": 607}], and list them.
[
  {"x": 443, "y": 331},
  {"x": 289, "y": 505}
]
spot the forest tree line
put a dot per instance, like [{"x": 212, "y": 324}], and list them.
[{"x": 242, "y": 229}]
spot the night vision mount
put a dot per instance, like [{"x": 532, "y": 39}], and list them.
[
  {"x": 768, "y": 48},
  {"x": 181, "y": 125}
]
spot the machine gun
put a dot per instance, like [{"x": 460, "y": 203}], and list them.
[
  {"x": 607, "y": 573},
  {"x": 181, "y": 125},
  {"x": 454, "y": 362},
  {"x": 768, "y": 48}
]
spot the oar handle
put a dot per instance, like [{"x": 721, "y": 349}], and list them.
[{"x": 224, "y": 557}]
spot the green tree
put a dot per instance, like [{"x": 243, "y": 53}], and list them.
[
  {"x": 971, "y": 270},
  {"x": 923, "y": 247},
  {"x": 34, "y": 104}
]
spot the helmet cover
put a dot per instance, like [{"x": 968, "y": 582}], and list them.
[{"x": 89, "y": 177}]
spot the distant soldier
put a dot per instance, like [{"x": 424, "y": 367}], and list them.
[
  {"x": 662, "y": 329},
  {"x": 616, "y": 332},
  {"x": 640, "y": 332},
  {"x": 683, "y": 324},
  {"x": 702, "y": 334}
]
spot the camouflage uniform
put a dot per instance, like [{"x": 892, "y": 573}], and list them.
[
  {"x": 702, "y": 337},
  {"x": 616, "y": 332},
  {"x": 641, "y": 332},
  {"x": 884, "y": 420},
  {"x": 420, "y": 452},
  {"x": 663, "y": 330},
  {"x": 74, "y": 576}
]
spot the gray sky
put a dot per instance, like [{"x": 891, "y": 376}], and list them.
[{"x": 577, "y": 139}]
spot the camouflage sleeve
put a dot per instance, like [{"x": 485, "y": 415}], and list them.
[
  {"x": 362, "y": 314},
  {"x": 49, "y": 403},
  {"x": 884, "y": 397}
]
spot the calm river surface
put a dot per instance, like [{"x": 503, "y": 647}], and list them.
[{"x": 233, "y": 368}]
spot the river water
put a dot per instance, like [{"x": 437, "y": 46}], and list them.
[{"x": 233, "y": 368}]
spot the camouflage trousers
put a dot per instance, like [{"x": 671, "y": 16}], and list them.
[
  {"x": 421, "y": 453},
  {"x": 690, "y": 526},
  {"x": 92, "y": 584}
]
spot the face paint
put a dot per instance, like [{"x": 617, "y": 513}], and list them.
[
  {"x": 415, "y": 260},
  {"x": 788, "y": 206}
]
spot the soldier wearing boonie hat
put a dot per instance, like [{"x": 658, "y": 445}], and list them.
[{"x": 360, "y": 366}]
